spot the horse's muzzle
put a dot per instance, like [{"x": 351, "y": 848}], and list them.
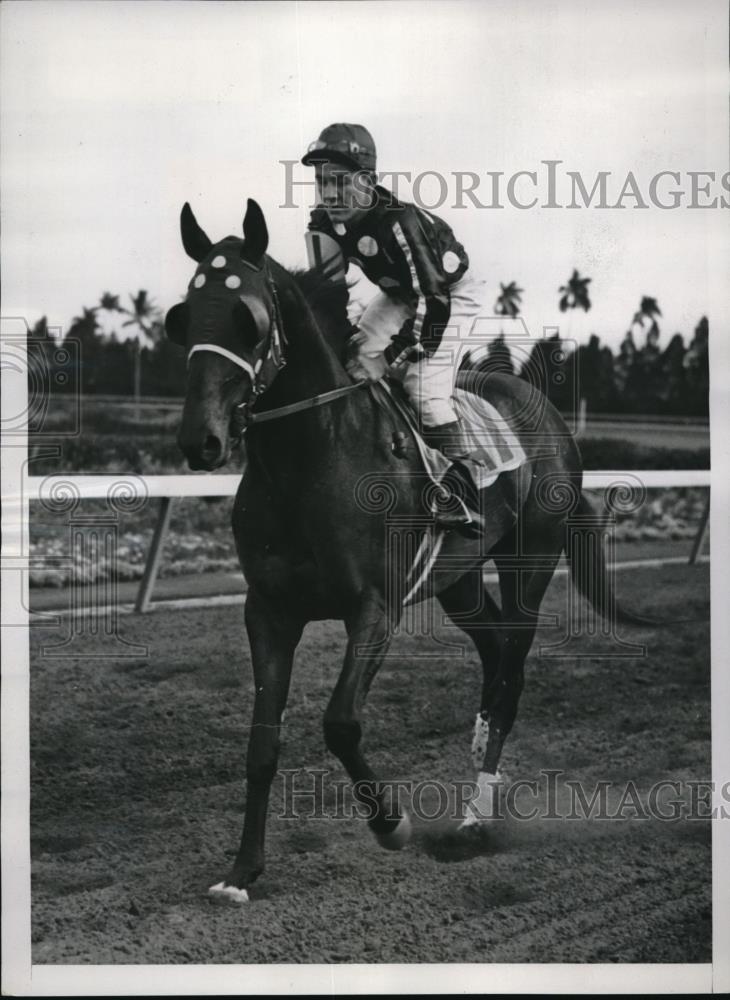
[{"x": 204, "y": 455}]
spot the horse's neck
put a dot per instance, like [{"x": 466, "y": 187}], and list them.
[
  {"x": 312, "y": 361},
  {"x": 292, "y": 449}
]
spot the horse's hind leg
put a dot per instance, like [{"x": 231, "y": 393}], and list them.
[
  {"x": 522, "y": 593},
  {"x": 273, "y": 635},
  {"x": 471, "y": 608},
  {"x": 369, "y": 632}
]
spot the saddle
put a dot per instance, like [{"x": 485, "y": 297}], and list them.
[
  {"x": 494, "y": 445},
  {"x": 495, "y": 448}
]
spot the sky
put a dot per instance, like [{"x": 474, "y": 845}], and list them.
[{"x": 115, "y": 113}]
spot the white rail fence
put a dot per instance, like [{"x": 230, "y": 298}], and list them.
[{"x": 54, "y": 488}]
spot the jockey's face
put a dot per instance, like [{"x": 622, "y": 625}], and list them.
[{"x": 346, "y": 195}]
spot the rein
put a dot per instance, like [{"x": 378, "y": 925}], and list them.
[{"x": 304, "y": 404}]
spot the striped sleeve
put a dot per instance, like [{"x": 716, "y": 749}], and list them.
[{"x": 422, "y": 333}]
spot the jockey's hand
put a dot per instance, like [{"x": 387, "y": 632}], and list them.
[{"x": 363, "y": 367}]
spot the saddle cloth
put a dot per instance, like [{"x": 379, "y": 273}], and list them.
[
  {"x": 493, "y": 443},
  {"x": 495, "y": 447}
]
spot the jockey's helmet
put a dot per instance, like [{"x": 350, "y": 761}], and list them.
[{"x": 351, "y": 145}]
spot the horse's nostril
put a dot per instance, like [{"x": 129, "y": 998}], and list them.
[{"x": 212, "y": 447}]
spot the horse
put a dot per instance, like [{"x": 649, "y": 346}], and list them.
[{"x": 265, "y": 354}]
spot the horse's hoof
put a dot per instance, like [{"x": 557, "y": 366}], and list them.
[
  {"x": 228, "y": 894},
  {"x": 485, "y": 806},
  {"x": 474, "y": 819},
  {"x": 469, "y": 820},
  {"x": 398, "y": 838}
]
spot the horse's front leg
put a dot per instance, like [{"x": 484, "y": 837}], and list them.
[
  {"x": 369, "y": 630},
  {"x": 273, "y": 635}
]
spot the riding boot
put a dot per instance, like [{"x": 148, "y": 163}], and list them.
[{"x": 457, "y": 505}]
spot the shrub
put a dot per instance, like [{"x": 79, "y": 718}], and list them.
[
  {"x": 610, "y": 453},
  {"x": 117, "y": 453}
]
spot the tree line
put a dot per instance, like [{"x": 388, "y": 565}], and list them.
[{"x": 643, "y": 376}]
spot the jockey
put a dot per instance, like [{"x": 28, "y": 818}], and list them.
[{"x": 418, "y": 266}]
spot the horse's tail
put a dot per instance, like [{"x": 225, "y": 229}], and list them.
[{"x": 592, "y": 576}]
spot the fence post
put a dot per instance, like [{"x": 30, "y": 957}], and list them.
[{"x": 144, "y": 594}]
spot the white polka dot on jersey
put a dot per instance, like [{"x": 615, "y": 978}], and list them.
[
  {"x": 451, "y": 262},
  {"x": 199, "y": 280},
  {"x": 218, "y": 262},
  {"x": 233, "y": 281}
]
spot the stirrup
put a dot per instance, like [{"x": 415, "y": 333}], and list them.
[
  {"x": 462, "y": 520},
  {"x": 455, "y": 514}
]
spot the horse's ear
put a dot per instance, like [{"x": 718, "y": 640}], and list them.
[
  {"x": 195, "y": 241},
  {"x": 255, "y": 233},
  {"x": 177, "y": 322}
]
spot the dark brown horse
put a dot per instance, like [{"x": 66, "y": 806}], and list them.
[{"x": 260, "y": 339}]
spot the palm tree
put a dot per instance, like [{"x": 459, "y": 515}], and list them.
[
  {"x": 87, "y": 322},
  {"x": 648, "y": 310},
  {"x": 85, "y": 331},
  {"x": 499, "y": 356},
  {"x": 509, "y": 300},
  {"x": 144, "y": 315},
  {"x": 574, "y": 293},
  {"x": 696, "y": 363}
]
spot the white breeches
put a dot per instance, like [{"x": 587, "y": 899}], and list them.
[{"x": 428, "y": 382}]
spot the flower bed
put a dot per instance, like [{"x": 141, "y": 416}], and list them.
[{"x": 199, "y": 541}]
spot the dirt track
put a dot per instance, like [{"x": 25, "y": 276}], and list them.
[{"x": 137, "y": 800}]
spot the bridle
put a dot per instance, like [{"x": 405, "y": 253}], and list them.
[
  {"x": 273, "y": 359},
  {"x": 273, "y": 353}
]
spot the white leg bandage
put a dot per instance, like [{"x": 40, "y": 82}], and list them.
[
  {"x": 228, "y": 894},
  {"x": 479, "y": 741},
  {"x": 485, "y": 804}
]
